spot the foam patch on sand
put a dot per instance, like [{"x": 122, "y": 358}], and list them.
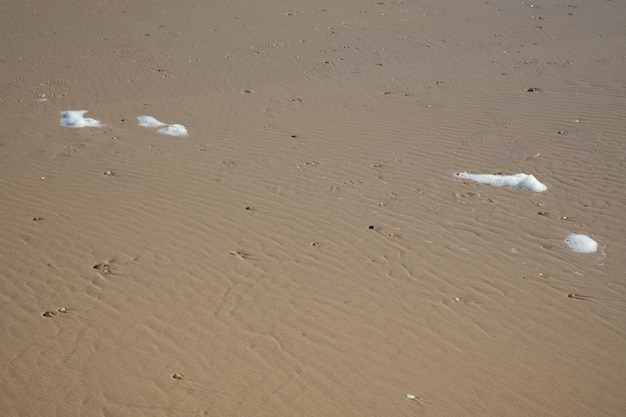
[
  {"x": 149, "y": 121},
  {"x": 171, "y": 129},
  {"x": 581, "y": 243},
  {"x": 74, "y": 118},
  {"x": 174, "y": 130},
  {"x": 521, "y": 181}
]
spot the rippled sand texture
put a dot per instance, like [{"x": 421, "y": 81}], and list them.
[{"x": 307, "y": 249}]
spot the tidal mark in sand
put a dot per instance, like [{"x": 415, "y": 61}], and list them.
[
  {"x": 241, "y": 255},
  {"x": 36, "y": 218},
  {"x": 521, "y": 181},
  {"x": 51, "y": 313},
  {"x": 464, "y": 301},
  {"x": 472, "y": 197},
  {"x": 180, "y": 376},
  {"x": 104, "y": 267},
  {"x": 579, "y": 297},
  {"x": 581, "y": 243},
  {"x": 415, "y": 398},
  {"x": 74, "y": 118},
  {"x": 539, "y": 275},
  {"x": 564, "y": 218}
]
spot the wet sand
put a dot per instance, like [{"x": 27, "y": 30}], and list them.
[{"x": 306, "y": 249}]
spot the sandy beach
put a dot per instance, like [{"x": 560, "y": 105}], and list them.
[{"x": 253, "y": 208}]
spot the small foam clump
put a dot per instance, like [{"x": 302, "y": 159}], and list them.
[
  {"x": 74, "y": 118},
  {"x": 521, "y": 181},
  {"x": 149, "y": 121},
  {"x": 581, "y": 243},
  {"x": 171, "y": 129},
  {"x": 174, "y": 130}
]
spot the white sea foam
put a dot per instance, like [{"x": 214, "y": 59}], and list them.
[
  {"x": 171, "y": 129},
  {"x": 74, "y": 118},
  {"x": 581, "y": 243},
  {"x": 521, "y": 181},
  {"x": 149, "y": 121},
  {"x": 174, "y": 130}
]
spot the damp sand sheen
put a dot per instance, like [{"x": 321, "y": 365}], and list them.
[{"x": 340, "y": 209}]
